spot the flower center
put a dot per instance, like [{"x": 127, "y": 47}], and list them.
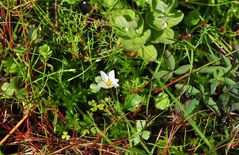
[{"x": 108, "y": 83}]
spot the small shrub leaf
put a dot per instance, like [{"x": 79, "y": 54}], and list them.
[{"x": 182, "y": 69}]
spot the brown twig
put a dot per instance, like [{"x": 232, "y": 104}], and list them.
[{"x": 15, "y": 128}]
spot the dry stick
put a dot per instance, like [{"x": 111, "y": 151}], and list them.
[{"x": 15, "y": 128}]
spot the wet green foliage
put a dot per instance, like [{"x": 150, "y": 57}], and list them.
[{"x": 176, "y": 61}]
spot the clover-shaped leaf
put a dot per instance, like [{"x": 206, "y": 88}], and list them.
[
  {"x": 162, "y": 101},
  {"x": 8, "y": 88},
  {"x": 132, "y": 102}
]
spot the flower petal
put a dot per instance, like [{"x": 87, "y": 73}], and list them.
[
  {"x": 111, "y": 75},
  {"x": 104, "y": 76},
  {"x": 115, "y": 85},
  {"x": 103, "y": 85}
]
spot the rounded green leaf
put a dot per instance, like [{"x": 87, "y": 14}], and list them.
[
  {"x": 94, "y": 88},
  {"x": 135, "y": 43},
  {"x": 162, "y": 6},
  {"x": 8, "y": 89},
  {"x": 192, "y": 18},
  {"x": 145, "y": 135},
  {"x": 161, "y": 21},
  {"x": 132, "y": 102},
  {"x": 165, "y": 37},
  {"x": 175, "y": 18},
  {"x": 162, "y": 101},
  {"x": 148, "y": 53},
  {"x": 140, "y": 125},
  {"x": 128, "y": 23},
  {"x": 156, "y": 21}
]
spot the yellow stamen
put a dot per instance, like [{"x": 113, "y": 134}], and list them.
[{"x": 108, "y": 83}]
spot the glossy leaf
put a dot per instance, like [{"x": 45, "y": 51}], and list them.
[
  {"x": 165, "y": 37},
  {"x": 148, "y": 53},
  {"x": 175, "y": 18},
  {"x": 161, "y": 21}
]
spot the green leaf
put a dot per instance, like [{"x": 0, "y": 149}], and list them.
[
  {"x": 156, "y": 21},
  {"x": 182, "y": 69},
  {"x": 164, "y": 74},
  {"x": 148, "y": 53},
  {"x": 137, "y": 151},
  {"x": 70, "y": 1},
  {"x": 169, "y": 59},
  {"x": 166, "y": 36},
  {"x": 101, "y": 106},
  {"x": 192, "y": 106},
  {"x": 21, "y": 93},
  {"x": 136, "y": 43},
  {"x": 45, "y": 52},
  {"x": 140, "y": 125},
  {"x": 132, "y": 102},
  {"x": 8, "y": 88},
  {"x": 162, "y": 101},
  {"x": 211, "y": 104},
  {"x": 162, "y": 6},
  {"x": 109, "y": 3},
  {"x": 161, "y": 21},
  {"x": 192, "y": 18},
  {"x": 98, "y": 79},
  {"x": 227, "y": 81},
  {"x": 141, "y": 3},
  {"x": 145, "y": 135},
  {"x": 34, "y": 35},
  {"x": 228, "y": 63},
  {"x": 94, "y": 87},
  {"x": 217, "y": 71},
  {"x": 136, "y": 139},
  {"x": 188, "y": 88},
  {"x": 175, "y": 18},
  {"x": 213, "y": 85},
  {"x": 128, "y": 23}
]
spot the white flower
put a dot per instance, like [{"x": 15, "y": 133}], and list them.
[{"x": 108, "y": 81}]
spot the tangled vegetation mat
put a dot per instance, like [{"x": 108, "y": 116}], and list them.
[{"x": 112, "y": 77}]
